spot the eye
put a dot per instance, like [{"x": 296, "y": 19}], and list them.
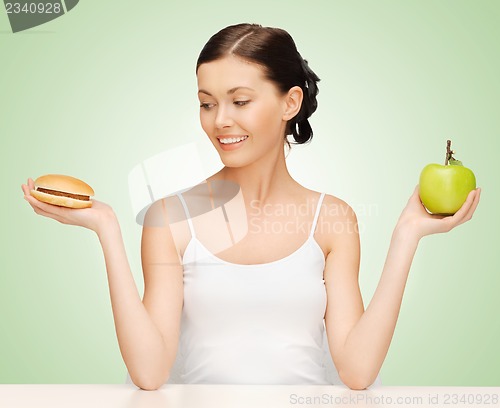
[
  {"x": 207, "y": 106},
  {"x": 241, "y": 103}
]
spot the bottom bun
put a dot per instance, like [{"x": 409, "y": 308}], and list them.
[{"x": 60, "y": 201}]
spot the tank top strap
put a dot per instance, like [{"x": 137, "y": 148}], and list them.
[
  {"x": 188, "y": 216},
  {"x": 316, "y": 215}
]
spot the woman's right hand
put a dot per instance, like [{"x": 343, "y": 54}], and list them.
[{"x": 91, "y": 218}]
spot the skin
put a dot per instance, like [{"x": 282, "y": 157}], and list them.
[{"x": 148, "y": 329}]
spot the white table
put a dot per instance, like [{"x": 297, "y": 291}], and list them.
[{"x": 236, "y": 396}]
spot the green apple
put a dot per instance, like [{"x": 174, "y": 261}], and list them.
[{"x": 443, "y": 189}]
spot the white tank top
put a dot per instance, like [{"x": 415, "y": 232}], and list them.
[{"x": 253, "y": 324}]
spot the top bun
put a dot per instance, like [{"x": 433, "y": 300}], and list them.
[{"x": 67, "y": 184}]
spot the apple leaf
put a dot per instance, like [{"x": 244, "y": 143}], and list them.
[{"x": 454, "y": 162}]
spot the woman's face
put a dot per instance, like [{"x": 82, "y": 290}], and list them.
[{"x": 240, "y": 110}]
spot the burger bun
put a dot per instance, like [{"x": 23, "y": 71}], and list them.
[{"x": 66, "y": 185}]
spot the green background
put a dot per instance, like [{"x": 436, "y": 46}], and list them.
[{"x": 109, "y": 84}]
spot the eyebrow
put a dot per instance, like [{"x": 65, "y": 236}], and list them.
[{"x": 230, "y": 92}]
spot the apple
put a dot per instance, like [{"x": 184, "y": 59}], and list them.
[{"x": 443, "y": 189}]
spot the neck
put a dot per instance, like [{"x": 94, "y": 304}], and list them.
[{"x": 263, "y": 181}]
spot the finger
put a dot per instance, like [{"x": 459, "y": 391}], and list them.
[
  {"x": 416, "y": 192},
  {"x": 461, "y": 215},
  {"x": 474, "y": 205},
  {"x": 35, "y": 204},
  {"x": 451, "y": 221},
  {"x": 56, "y": 217},
  {"x": 415, "y": 196},
  {"x": 36, "y": 208},
  {"x": 47, "y": 210},
  {"x": 464, "y": 209},
  {"x": 39, "y": 211},
  {"x": 30, "y": 185}
]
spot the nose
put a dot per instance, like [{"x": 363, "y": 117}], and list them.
[{"x": 223, "y": 118}]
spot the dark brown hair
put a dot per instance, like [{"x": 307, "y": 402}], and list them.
[{"x": 274, "y": 50}]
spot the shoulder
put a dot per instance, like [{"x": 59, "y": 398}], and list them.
[
  {"x": 337, "y": 224},
  {"x": 334, "y": 209},
  {"x": 165, "y": 232},
  {"x": 164, "y": 212}
]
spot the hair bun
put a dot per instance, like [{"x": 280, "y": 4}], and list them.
[{"x": 299, "y": 127}]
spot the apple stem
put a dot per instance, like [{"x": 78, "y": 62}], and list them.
[{"x": 449, "y": 153}]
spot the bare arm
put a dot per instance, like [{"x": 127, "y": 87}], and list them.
[
  {"x": 147, "y": 330},
  {"x": 359, "y": 340}
]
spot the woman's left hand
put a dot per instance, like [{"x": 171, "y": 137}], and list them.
[{"x": 420, "y": 222}]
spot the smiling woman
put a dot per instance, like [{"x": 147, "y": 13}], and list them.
[
  {"x": 266, "y": 308},
  {"x": 240, "y": 108}
]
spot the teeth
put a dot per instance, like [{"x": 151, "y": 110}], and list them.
[{"x": 233, "y": 140}]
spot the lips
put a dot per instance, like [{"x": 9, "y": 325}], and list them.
[{"x": 231, "y": 142}]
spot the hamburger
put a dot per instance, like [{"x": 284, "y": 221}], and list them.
[{"x": 64, "y": 191}]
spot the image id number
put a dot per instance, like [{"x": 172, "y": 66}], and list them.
[{"x": 33, "y": 8}]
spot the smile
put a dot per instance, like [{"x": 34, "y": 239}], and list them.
[{"x": 232, "y": 140}]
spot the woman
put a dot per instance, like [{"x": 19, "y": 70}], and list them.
[{"x": 254, "y": 312}]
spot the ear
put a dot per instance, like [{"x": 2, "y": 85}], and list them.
[{"x": 293, "y": 102}]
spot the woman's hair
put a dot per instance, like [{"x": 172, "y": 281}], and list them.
[{"x": 274, "y": 50}]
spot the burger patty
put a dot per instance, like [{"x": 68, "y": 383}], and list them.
[{"x": 63, "y": 194}]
